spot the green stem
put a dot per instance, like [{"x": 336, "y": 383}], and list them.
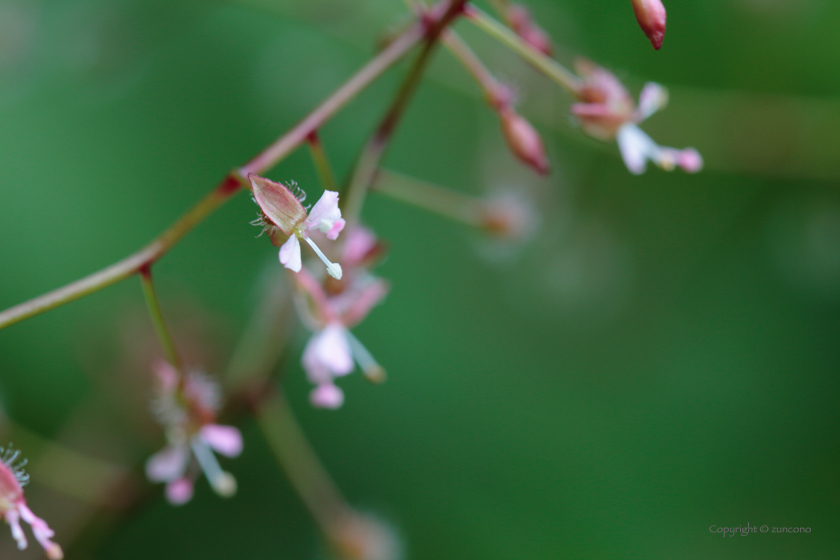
[
  {"x": 128, "y": 266},
  {"x": 322, "y": 163},
  {"x": 459, "y": 207},
  {"x": 465, "y": 55},
  {"x": 543, "y": 63},
  {"x": 165, "y": 337},
  {"x": 501, "y": 6},
  {"x": 296, "y": 456},
  {"x": 374, "y": 150}
]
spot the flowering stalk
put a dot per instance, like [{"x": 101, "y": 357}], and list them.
[
  {"x": 374, "y": 150},
  {"x": 296, "y": 456},
  {"x": 232, "y": 184},
  {"x": 321, "y": 162},
  {"x": 457, "y": 206},
  {"x": 506, "y": 216},
  {"x": 543, "y": 63},
  {"x": 522, "y": 138},
  {"x": 156, "y": 314}
]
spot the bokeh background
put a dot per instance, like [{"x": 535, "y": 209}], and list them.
[{"x": 661, "y": 355}]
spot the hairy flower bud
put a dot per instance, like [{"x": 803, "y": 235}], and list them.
[
  {"x": 651, "y": 17},
  {"x": 523, "y": 140},
  {"x": 13, "y": 508}
]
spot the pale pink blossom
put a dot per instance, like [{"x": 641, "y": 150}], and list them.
[
  {"x": 607, "y": 111},
  {"x": 186, "y": 407},
  {"x": 333, "y": 350},
  {"x": 283, "y": 209},
  {"x": 13, "y": 506}
]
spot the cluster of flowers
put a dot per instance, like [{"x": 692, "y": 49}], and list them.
[
  {"x": 329, "y": 306},
  {"x": 186, "y": 406}
]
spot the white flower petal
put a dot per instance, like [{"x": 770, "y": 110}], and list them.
[
  {"x": 167, "y": 464},
  {"x": 636, "y": 148},
  {"x": 290, "y": 254},
  {"x": 226, "y": 440}
]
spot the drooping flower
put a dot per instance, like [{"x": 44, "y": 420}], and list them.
[
  {"x": 186, "y": 406},
  {"x": 607, "y": 111},
  {"x": 13, "y": 506},
  {"x": 284, "y": 211},
  {"x": 331, "y": 311}
]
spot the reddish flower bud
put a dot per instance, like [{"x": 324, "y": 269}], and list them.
[
  {"x": 523, "y": 140},
  {"x": 523, "y": 25},
  {"x": 651, "y": 17}
]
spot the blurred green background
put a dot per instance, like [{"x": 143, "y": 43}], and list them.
[{"x": 660, "y": 356}]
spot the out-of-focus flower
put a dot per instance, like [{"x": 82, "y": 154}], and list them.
[
  {"x": 331, "y": 310},
  {"x": 523, "y": 25},
  {"x": 13, "y": 506},
  {"x": 186, "y": 406},
  {"x": 607, "y": 111},
  {"x": 523, "y": 139},
  {"x": 283, "y": 209},
  {"x": 651, "y": 17}
]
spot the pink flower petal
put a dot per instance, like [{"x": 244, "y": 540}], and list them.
[
  {"x": 226, "y": 440},
  {"x": 290, "y": 254},
  {"x": 41, "y": 532},
  {"x": 325, "y": 211},
  {"x": 13, "y": 519},
  {"x": 653, "y": 98},
  {"x": 167, "y": 375},
  {"x": 327, "y": 395},
  {"x": 333, "y": 349},
  {"x": 636, "y": 147},
  {"x": 179, "y": 492},
  {"x": 364, "y": 299},
  {"x": 168, "y": 464},
  {"x": 338, "y": 225},
  {"x": 357, "y": 244},
  {"x": 316, "y": 370}
]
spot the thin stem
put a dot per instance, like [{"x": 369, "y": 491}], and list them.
[
  {"x": 493, "y": 91},
  {"x": 153, "y": 304},
  {"x": 459, "y": 207},
  {"x": 284, "y": 145},
  {"x": 130, "y": 265},
  {"x": 501, "y": 7},
  {"x": 296, "y": 456},
  {"x": 375, "y": 148},
  {"x": 321, "y": 162},
  {"x": 543, "y": 63},
  {"x": 230, "y": 185}
]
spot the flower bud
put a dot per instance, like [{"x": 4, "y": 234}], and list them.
[
  {"x": 278, "y": 203},
  {"x": 524, "y": 140},
  {"x": 651, "y": 17},
  {"x": 523, "y": 25}
]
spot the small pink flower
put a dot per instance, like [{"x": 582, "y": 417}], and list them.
[
  {"x": 607, "y": 111},
  {"x": 284, "y": 210},
  {"x": 333, "y": 350},
  {"x": 187, "y": 410},
  {"x": 13, "y": 506}
]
